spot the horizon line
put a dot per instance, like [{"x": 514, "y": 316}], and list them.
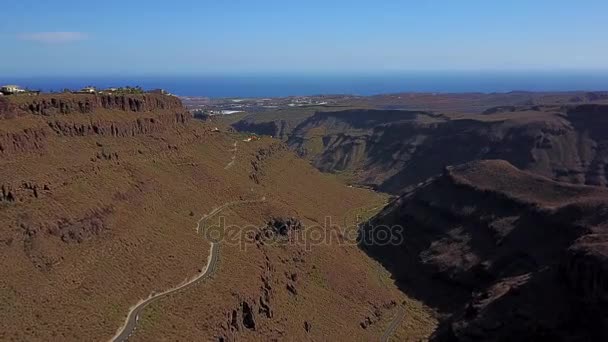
[{"x": 314, "y": 72}]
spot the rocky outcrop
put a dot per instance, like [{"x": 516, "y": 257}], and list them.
[
  {"x": 377, "y": 314},
  {"x": 278, "y": 129},
  {"x": 10, "y": 192},
  {"x": 259, "y": 159},
  {"x": 281, "y": 276},
  {"x": 81, "y": 229},
  {"x": 7, "y": 194},
  {"x": 54, "y": 104},
  {"x": 145, "y": 125},
  {"x": 283, "y": 226},
  {"x": 83, "y": 115},
  {"x": 36, "y": 235},
  {"x": 28, "y": 139},
  {"x": 279, "y": 230},
  {"x": 68, "y": 229},
  {"x": 490, "y": 244}
]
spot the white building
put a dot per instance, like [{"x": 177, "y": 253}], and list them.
[
  {"x": 88, "y": 90},
  {"x": 11, "y": 89}
]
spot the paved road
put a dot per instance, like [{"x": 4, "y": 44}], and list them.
[
  {"x": 222, "y": 207},
  {"x": 130, "y": 324},
  {"x": 133, "y": 318},
  {"x": 233, "y": 156},
  {"x": 390, "y": 330}
]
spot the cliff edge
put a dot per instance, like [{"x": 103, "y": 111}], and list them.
[{"x": 28, "y": 121}]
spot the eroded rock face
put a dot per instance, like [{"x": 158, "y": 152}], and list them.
[
  {"x": 28, "y": 139},
  {"x": 26, "y": 190},
  {"x": 137, "y": 126},
  {"x": 68, "y": 229},
  {"x": 377, "y": 314},
  {"x": 279, "y": 129},
  {"x": 258, "y": 164},
  {"x": 282, "y": 225},
  {"x": 282, "y": 276},
  {"x": 7, "y": 194},
  {"x": 82, "y": 229},
  {"x": 36, "y": 235},
  {"x": 54, "y": 104},
  {"x": 393, "y": 150},
  {"x": 84, "y": 115}
]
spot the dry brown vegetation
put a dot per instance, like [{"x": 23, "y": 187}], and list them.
[{"x": 98, "y": 207}]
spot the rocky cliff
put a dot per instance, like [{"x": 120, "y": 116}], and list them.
[
  {"x": 51, "y": 104},
  {"x": 27, "y": 139},
  {"x": 27, "y": 121},
  {"x": 509, "y": 255},
  {"x": 394, "y": 150},
  {"x": 280, "y": 128}
]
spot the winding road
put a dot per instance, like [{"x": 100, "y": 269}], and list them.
[
  {"x": 130, "y": 324},
  {"x": 233, "y": 156},
  {"x": 390, "y": 330}
]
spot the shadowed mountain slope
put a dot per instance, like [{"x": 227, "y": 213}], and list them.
[{"x": 506, "y": 254}]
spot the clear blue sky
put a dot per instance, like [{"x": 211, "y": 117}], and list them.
[{"x": 163, "y": 37}]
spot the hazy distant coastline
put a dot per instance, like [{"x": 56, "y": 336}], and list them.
[{"x": 216, "y": 86}]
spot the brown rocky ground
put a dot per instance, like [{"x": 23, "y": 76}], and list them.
[
  {"x": 504, "y": 254},
  {"x": 99, "y": 200}
]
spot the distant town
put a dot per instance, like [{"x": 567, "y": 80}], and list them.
[
  {"x": 225, "y": 106},
  {"x": 7, "y": 90}
]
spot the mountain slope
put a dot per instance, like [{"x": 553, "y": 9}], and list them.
[
  {"x": 394, "y": 150},
  {"x": 507, "y": 254},
  {"x": 100, "y": 199}
]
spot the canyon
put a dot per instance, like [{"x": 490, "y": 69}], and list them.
[
  {"x": 497, "y": 222},
  {"x": 99, "y": 203},
  {"x": 502, "y": 209}
]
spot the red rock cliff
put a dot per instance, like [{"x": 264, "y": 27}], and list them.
[
  {"x": 28, "y": 121},
  {"x": 52, "y": 104}
]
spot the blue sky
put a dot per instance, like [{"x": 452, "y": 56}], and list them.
[{"x": 234, "y": 36}]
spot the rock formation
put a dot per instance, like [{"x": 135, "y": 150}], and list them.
[{"x": 83, "y": 115}]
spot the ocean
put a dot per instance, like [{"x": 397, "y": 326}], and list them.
[{"x": 271, "y": 85}]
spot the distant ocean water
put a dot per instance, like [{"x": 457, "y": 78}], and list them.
[{"x": 260, "y": 85}]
